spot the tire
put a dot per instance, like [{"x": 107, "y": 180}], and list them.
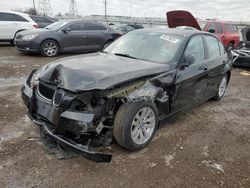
[
  {"x": 49, "y": 48},
  {"x": 222, "y": 88},
  {"x": 230, "y": 46},
  {"x": 129, "y": 131}
]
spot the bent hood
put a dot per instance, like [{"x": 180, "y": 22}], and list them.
[
  {"x": 97, "y": 71},
  {"x": 181, "y": 18}
]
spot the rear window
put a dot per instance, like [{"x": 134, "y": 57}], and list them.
[
  {"x": 11, "y": 17},
  {"x": 230, "y": 28},
  {"x": 213, "y": 47},
  {"x": 93, "y": 27}
]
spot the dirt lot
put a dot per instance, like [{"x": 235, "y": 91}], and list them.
[{"x": 207, "y": 147}]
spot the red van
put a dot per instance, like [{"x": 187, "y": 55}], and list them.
[{"x": 228, "y": 33}]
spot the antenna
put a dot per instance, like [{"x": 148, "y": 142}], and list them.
[
  {"x": 72, "y": 8},
  {"x": 44, "y": 7}
]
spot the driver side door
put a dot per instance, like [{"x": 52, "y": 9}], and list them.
[
  {"x": 191, "y": 80},
  {"x": 75, "y": 38}
]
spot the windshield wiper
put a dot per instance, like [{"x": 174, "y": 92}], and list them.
[{"x": 125, "y": 55}]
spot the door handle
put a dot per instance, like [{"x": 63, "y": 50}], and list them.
[
  {"x": 83, "y": 36},
  {"x": 202, "y": 67}
]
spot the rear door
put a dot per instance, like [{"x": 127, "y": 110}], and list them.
[
  {"x": 216, "y": 58},
  {"x": 97, "y": 35},
  {"x": 219, "y": 32},
  {"x": 8, "y": 26},
  {"x": 75, "y": 39},
  {"x": 191, "y": 81}
]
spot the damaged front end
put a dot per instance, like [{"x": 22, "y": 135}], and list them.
[{"x": 83, "y": 120}]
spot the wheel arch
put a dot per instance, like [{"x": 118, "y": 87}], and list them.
[{"x": 51, "y": 38}]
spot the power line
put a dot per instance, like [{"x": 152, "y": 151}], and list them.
[{"x": 44, "y": 7}]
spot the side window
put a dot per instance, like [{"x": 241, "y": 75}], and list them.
[
  {"x": 47, "y": 20},
  {"x": 93, "y": 27},
  {"x": 211, "y": 27},
  {"x": 195, "y": 48},
  {"x": 6, "y": 17},
  {"x": 213, "y": 47},
  {"x": 222, "y": 48},
  {"x": 19, "y": 18},
  {"x": 76, "y": 27},
  {"x": 231, "y": 28},
  {"x": 219, "y": 28}
]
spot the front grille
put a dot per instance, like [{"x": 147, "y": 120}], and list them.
[{"x": 46, "y": 91}]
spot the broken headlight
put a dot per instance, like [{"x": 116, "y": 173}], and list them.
[{"x": 34, "y": 80}]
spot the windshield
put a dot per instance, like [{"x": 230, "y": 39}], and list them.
[
  {"x": 57, "y": 25},
  {"x": 150, "y": 46}
]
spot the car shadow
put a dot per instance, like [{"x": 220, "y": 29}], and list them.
[{"x": 6, "y": 44}]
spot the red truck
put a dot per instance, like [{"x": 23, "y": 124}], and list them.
[{"x": 228, "y": 33}]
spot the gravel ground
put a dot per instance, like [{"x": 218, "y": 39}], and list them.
[{"x": 207, "y": 147}]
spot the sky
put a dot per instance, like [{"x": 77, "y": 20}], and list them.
[{"x": 238, "y": 10}]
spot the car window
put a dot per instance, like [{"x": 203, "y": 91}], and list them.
[
  {"x": 76, "y": 27},
  {"x": 149, "y": 46},
  {"x": 93, "y": 27},
  {"x": 47, "y": 20},
  {"x": 195, "y": 48},
  {"x": 222, "y": 48},
  {"x": 231, "y": 28},
  {"x": 211, "y": 26},
  {"x": 219, "y": 28},
  {"x": 213, "y": 47},
  {"x": 19, "y": 18}
]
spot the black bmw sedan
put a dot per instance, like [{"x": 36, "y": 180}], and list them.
[
  {"x": 66, "y": 36},
  {"x": 121, "y": 93}
]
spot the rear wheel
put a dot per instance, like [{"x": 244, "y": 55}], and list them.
[
  {"x": 135, "y": 125},
  {"x": 222, "y": 88},
  {"x": 49, "y": 48}
]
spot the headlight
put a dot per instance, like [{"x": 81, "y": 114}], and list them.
[
  {"x": 34, "y": 80},
  {"x": 29, "y": 37}
]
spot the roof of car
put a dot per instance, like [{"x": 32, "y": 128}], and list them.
[{"x": 14, "y": 12}]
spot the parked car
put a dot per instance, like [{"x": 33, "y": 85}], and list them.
[
  {"x": 66, "y": 36},
  {"x": 141, "y": 78},
  {"x": 43, "y": 21},
  {"x": 228, "y": 33},
  {"x": 241, "y": 55},
  {"x": 122, "y": 29},
  {"x": 12, "y": 22}
]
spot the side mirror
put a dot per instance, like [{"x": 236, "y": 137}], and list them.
[
  {"x": 66, "y": 29},
  {"x": 189, "y": 60},
  {"x": 211, "y": 31}
]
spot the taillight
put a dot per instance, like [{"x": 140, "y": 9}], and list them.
[{"x": 35, "y": 26}]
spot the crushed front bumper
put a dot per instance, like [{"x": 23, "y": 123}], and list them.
[{"x": 31, "y": 100}]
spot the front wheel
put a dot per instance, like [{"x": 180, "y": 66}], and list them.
[
  {"x": 49, "y": 48},
  {"x": 135, "y": 125},
  {"x": 222, "y": 88}
]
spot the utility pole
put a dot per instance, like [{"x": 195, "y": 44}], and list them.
[
  {"x": 34, "y": 7},
  {"x": 105, "y": 6},
  {"x": 131, "y": 7},
  {"x": 73, "y": 8},
  {"x": 44, "y": 7}
]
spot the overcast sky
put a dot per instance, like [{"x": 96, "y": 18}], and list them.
[{"x": 222, "y": 9}]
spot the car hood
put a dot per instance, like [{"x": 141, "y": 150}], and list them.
[
  {"x": 34, "y": 31},
  {"x": 97, "y": 71},
  {"x": 181, "y": 18}
]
